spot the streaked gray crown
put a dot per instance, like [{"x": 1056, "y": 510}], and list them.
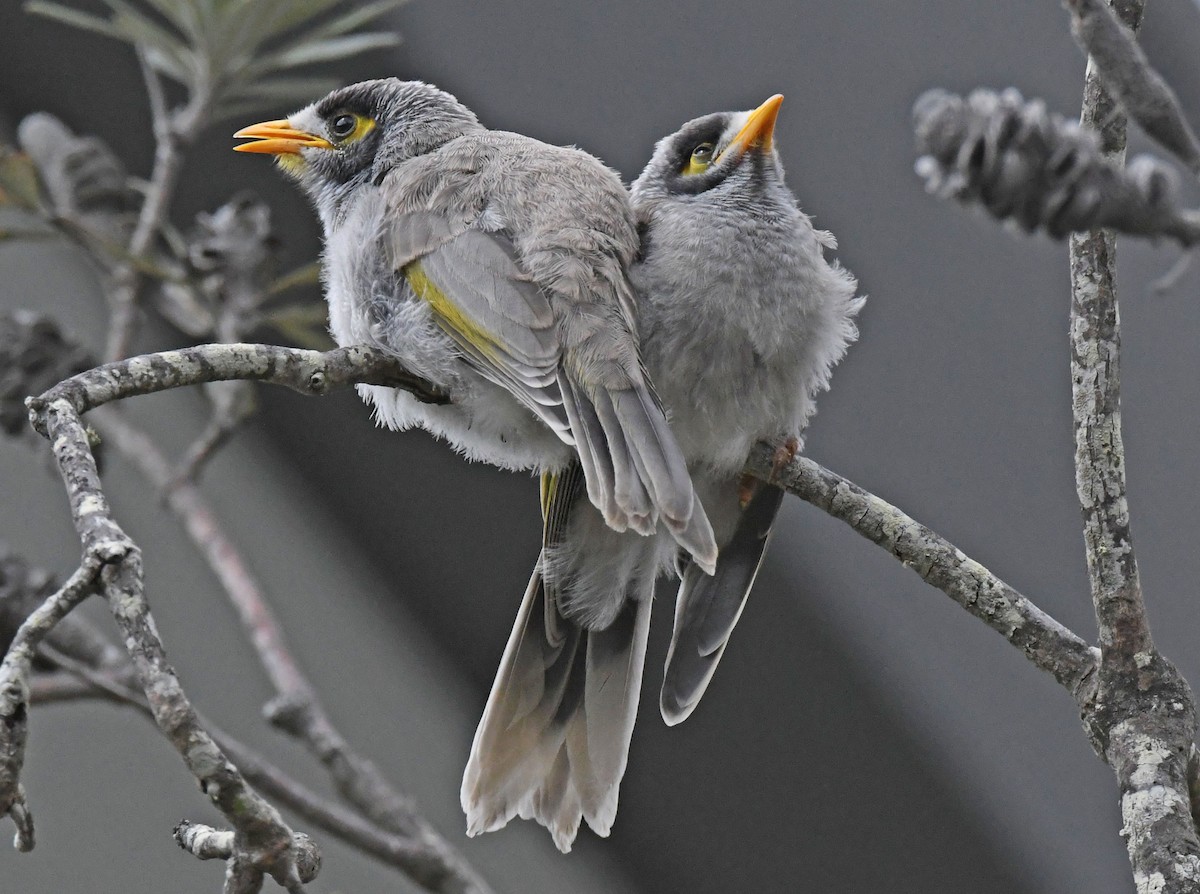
[{"x": 411, "y": 118}]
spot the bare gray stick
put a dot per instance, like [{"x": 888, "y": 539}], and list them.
[
  {"x": 172, "y": 132},
  {"x": 1128, "y": 75},
  {"x": 399, "y": 851},
  {"x": 14, "y": 691},
  {"x": 427, "y": 857},
  {"x": 265, "y": 844},
  {"x": 1047, "y": 643}
]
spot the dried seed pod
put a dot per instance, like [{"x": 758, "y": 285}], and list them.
[
  {"x": 231, "y": 256},
  {"x": 84, "y": 179},
  {"x": 34, "y": 355},
  {"x": 22, "y": 588},
  {"x": 1039, "y": 170}
]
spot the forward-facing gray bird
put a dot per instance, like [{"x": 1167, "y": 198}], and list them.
[
  {"x": 742, "y": 321},
  {"x": 497, "y": 267}
]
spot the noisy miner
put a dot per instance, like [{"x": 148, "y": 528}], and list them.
[
  {"x": 495, "y": 266},
  {"x": 742, "y": 321}
]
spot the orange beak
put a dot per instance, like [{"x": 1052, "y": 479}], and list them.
[
  {"x": 278, "y": 138},
  {"x": 759, "y": 129}
]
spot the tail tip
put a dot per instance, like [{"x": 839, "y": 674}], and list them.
[{"x": 672, "y": 712}]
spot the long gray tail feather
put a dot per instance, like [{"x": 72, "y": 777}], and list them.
[
  {"x": 554, "y": 738},
  {"x": 634, "y": 469},
  {"x": 708, "y": 607}
]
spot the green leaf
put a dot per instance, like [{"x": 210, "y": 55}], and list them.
[
  {"x": 326, "y": 50},
  {"x": 183, "y": 70},
  {"x": 144, "y": 31},
  {"x": 302, "y": 324},
  {"x": 7, "y": 233},
  {"x": 307, "y": 275},
  {"x": 296, "y": 12},
  {"x": 356, "y": 18},
  {"x": 73, "y": 17},
  {"x": 182, "y": 14},
  {"x": 19, "y": 184},
  {"x": 271, "y": 93},
  {"x": 284, "y": 88}
]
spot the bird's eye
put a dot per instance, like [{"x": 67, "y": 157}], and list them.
[
  {"x": 342, "y": 126},
  {"x": 701, "y": 158}
]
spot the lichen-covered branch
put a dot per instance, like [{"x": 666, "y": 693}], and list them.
[
  {"x": 82, "y": 680},
  {"x": 309, "y": 372},
  {"x": 1143, "y": 718},
  {"x": 420, "y": 852},
  {"x": 1045, "y": 642},
  {"x": 1096, "y": 408},
  {"x": 112, "y": 563}
]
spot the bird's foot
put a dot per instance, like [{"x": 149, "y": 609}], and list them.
[
  {"x": 746, "y": 487},
  {"x": 784, "y": 454}
]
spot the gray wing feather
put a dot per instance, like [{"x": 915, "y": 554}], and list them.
[
  {"x": 640, "y": 415},
  {"x": 707, "y": 608},
  {"x": 478, "y": 271},
  {"x": 629, "y": 489},
  {"x": 592, "y": 446},
  {"x": 506, "y": 328}
]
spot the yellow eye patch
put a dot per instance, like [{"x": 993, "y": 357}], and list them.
[
  {"x": 348, "y": 127},
  {"x": 700, "y": 161}
]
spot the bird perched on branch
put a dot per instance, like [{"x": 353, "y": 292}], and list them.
[
  {"x": 495, "y": 266},
  {"x": 742, "y": 321}
]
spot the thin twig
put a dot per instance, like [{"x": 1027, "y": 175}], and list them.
[
  {"x": 396, "y": 850},
  {"x": 1043, "y": 640},
  {"x": 14, "y": 690},
  {"x": 427, "y": 857},
  {"x": 1118, "y": 59},
  {"x": 265, "y": 843},
  {"x": 172, "y": 132}
]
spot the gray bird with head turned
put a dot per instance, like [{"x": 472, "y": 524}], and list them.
[
  {"x": 495, "y": 266},
  {"x": 742, "y": 321}
]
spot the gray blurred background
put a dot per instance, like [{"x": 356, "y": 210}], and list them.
[{"x": 863, "y": 733}]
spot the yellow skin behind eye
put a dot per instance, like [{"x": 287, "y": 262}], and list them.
[
  {"x": 700, "y": 161},
  {"x": 362, "y": 126}
]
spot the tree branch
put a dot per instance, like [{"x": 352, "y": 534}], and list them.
[
  {"x": 1045, "y": 642},
  {"x": 1143, "y": 720},
  {"x": 425, "y": 856},
  {"x": 172, "y": 131},
  {"x": 414, "y": 844},
  {"x": 14, "y": 691},
  {"x": 1118, "y": 59},
  {"x": 396, "y": 850},
  {"x": 308, "y": 372},
  {"x": 265, "y": 845}
]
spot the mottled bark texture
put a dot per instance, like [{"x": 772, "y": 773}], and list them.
[
  {"x": 1045, "y": 642},
  {"x": 1142, "y": 720},
  {"x": 308, "y": 372},
  {"x": 259, "y": 843},
  {"x": 112, "y": 565}
]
